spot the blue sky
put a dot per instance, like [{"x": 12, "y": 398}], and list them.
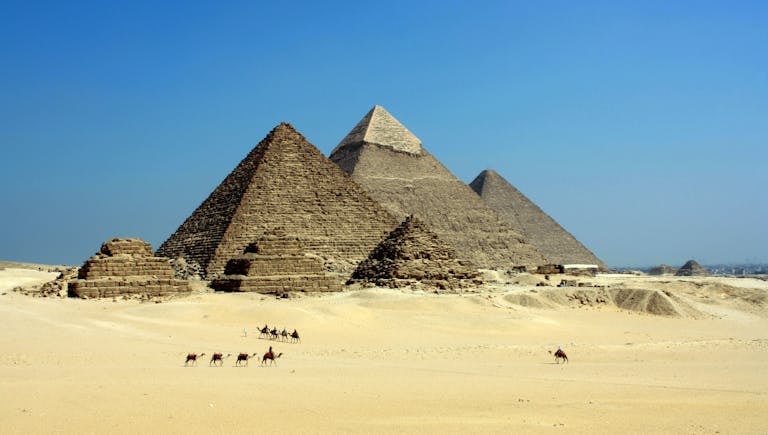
[{"x": 641, "y": 127}]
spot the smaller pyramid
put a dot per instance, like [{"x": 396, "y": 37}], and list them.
[
  {"x": 276, "y": 264},
  {"x": 692, "y": 268},
  {"x": 556, "y": 244},
  {"x": 126, "y": 267},
  {"x": 410, "y": 253}
]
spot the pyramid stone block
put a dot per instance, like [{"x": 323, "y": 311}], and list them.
[
  {"x": 286, "y": 182},
  {"x": 387, "y": 160},
  {"x": 556, "y": 244}
]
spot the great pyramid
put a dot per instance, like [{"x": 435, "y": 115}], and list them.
[
  {"x": 390, "y": 163},
  {"x": 284, "y": 182},
  {"x": 411, "y": 252},
  {"x": 556, "y": 244}
]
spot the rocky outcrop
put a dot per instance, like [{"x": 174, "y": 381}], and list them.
[
  {"x": 126, "y": 267},
  {"x": 412, "y": 253},
  {"x": 276, "y": 264}
]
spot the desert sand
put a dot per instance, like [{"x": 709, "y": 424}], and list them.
[{"x": 390, "y": 361}]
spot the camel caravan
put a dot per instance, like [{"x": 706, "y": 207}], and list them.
[
  {"x": 283, "y": 335},
  {"x": 217, "y": 359}
]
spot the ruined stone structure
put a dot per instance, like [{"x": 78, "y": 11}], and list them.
[
  {"x": 126, "y": 267},
  {"x": 414, "y": 253},
  {"x": 389, "y": 162},
  {"x": 276, "y": 264},
  {"x": 556, "y": 244},
  {"x": 283, "y": 182},
  {"x": 692, "y": 268}
]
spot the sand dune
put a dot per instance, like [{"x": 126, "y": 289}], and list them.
[{"x": 381, "y": 360}]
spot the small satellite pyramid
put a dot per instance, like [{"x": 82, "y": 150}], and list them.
[
  {"x": 556, "y": 244},
  {"x": 411, "y": 252},
  {"x": 391, "y": 164},
  {"x": 692, "y": 268},
  {"x": 284, "y": 182}
]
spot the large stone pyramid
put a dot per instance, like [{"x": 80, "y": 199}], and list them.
[
  {"x": 556, "y": 244},
  {"x": 411, "y": 252},
  {"x": 284, "y": 182},
  {"x": 389, "y": 162}
]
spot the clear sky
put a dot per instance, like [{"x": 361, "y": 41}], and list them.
[{"x": 640, "y": 126}]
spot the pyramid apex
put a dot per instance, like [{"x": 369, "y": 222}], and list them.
[
  {"x": 379, "y": 127},
  {"x": 285, "y": 126},
  {"x": 485, "y": 173}
]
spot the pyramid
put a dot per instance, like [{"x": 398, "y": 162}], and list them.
[
  {"x": 692, "y": 268},
  {"x": 411, "y": 252},
  {"x": 124, "y": 267},
  {"x": 285, "y": 182},
  {"x": 390, "y": 163},
  {"x": 556, "y": 244},
  {"x": 276, "y": 264}
]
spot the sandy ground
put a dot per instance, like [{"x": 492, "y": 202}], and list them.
[{"x": 386, "y": 361}]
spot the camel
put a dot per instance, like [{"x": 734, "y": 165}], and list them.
[
  {"x": 243, "y": 357},
  {"x": 271, "y": 357},
  {"x": 218, "y": 357},
  {"x": 193, "y": 357},
  {"x": 264, "y": 332},
  {"x": 295, "y": 337},
  {"x": 559, "y": 354},
  {"x": 273, "y": 334},
  {"x": 284, "y": 335}
]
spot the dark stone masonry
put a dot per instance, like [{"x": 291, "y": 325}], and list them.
[
  {"x": 126, "y": 267},
  {"x": 412, "y": 253},
  {"x": 276, "y": 264}
]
